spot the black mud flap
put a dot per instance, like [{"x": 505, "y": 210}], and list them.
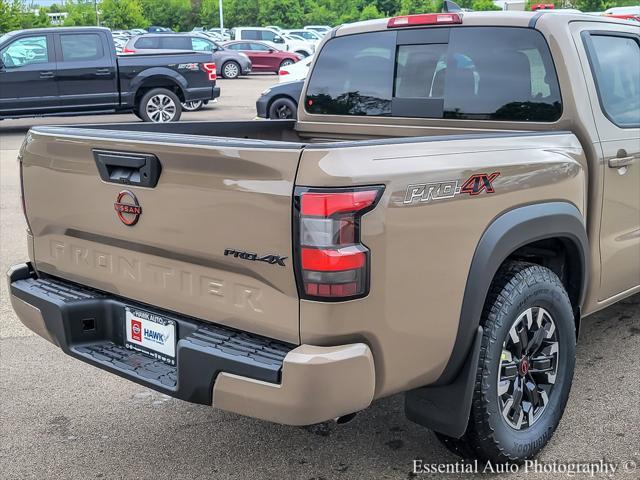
[{"x": 445, "y": 408}]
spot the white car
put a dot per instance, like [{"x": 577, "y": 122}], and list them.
[
  {"x": 311, "y": 36},
  {"x": 623, "y": 10},
  {"x": 318, "y": 28},
  {"x": 296, "y": 71}
]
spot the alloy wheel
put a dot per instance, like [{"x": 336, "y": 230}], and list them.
[
  {"x": 161, "y": 108},
  {"x": 192, "y": 106},
  {"x": 231, "y": 70},
  {"x": 528, "y": 368}
]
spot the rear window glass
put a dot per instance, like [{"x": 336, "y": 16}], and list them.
[
  {"x": 354, "y": 76},
  {"x": 481, "y": 73},
  {"x": 147, "y": 42}
]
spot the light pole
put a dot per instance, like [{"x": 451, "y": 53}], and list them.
[
  {"x": 95, "y": 6},
  {"x": 221, "y": 16}
]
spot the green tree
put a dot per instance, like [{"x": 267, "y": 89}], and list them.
[
  {"x": 167, "y": 13},
  {"x": 80, "y": 13},
  {"x": 283, "y": 13},
  {"x": 408, "y": 7},
  {"x": 122, "y": 14},
  {"x": 481, "y": 5},
  {"x": 370, "y": 12}
]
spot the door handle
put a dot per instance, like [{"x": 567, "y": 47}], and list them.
[
  {"x": 103, "y": 71},
  {"x": 48, "y": 74},
  {"x": 622, "y": 159}
]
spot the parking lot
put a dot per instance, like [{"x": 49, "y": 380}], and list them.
[{"x": 60, "y": 418}]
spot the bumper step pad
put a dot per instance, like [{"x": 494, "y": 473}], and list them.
[{"x": 90, "y": 325}]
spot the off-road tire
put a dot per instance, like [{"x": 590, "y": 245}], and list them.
[
  {"x": 517, "y": 287},
  {"x": 159, "y": 93}
]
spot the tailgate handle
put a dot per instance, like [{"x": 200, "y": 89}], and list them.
[{"x": 139, "y": 169}]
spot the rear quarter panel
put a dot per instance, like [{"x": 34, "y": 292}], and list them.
[{"x": 421, "y": 252}]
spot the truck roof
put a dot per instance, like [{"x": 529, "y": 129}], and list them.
[
  {"x": 497, "y": 18},
  {"x": 59, "y": 29}
]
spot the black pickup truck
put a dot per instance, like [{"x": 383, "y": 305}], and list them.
[{"x": 71, "y": 71}]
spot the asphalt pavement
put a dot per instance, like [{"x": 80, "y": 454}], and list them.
[{"x": 60, "y": 418}]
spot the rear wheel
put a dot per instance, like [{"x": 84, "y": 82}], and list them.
[
  {"x": 160, "y": 106},
  {"x": 193, "y": 106},
  {"x": 283, "y": 108},
  {"x": 230, "y": 70},
  {"x": 526, "y": 367}
]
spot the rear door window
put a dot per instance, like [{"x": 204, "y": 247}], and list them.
[
  {"x": 170, "y": 42},
  {"x": 251, "y": 35},
  {"x": 615, "y": 63},
  {"x": 77, "y": 47},
  {"x": 475, "y": 73}
]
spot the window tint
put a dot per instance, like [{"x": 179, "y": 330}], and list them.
[
  {"x": 353, "y": 76},
  {"x": 500, "y": 74},
  {"x": 615, "y": 62},
  {"x": 81, "y": 47},
  {"x": 420, "y": 71},
  {"x": 259, "y": 47},
  {"x": 147, "y": 42},
  {"x": 201, "y": 45},
  {"x": 267, "y": 36},
  {"x": 251, "y": 35},
  {"x": 25, "y": 51},
  {"x": 482, "y": 73},
  {"x": 170, "y": 42}
]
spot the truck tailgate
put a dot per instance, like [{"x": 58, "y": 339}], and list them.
[{"x": 210, "y": 199}]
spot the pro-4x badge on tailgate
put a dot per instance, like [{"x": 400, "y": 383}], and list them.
[
  {"x": 270, "y": 259},
  {"x": 427, "y": 192},
  {"x": 128, "y": 208}
]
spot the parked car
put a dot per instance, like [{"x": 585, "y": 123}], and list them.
[
  {"x": 82, "y": 74},
  {"x": 323, "y": 29},
  {"x": 280, "y": 101},
  {"x": 222, "y": 32},
  {"x": 121, "y": 33},
  {"x": 154, "y": 29},
  {"x": 457, "y": 194},
  {"x": 119, "y": 44},
  {"x": 264, "y": 58},
  {"x": 311, "y": 36},
  {"x": 296, "y": 71},
  {"x": 299, "y": 45},
  {"x": 230, "y": 63},
  {"x": 272, "y": 38}
]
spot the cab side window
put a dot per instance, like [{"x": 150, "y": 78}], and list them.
[
  {"x": 615, "y": 64},
  {"x": 201, "y": 45},
  {"x": 25, "y": 51},
  {"x": 81, "y": 47}
]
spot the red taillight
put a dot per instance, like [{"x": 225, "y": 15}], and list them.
[
  {"x": 283, "y": 72},
  {"x": 424, "y": 19},
  {"x": 128, "y": 50},
  {"x": 210, "y": 68},
  {"x": 332, "y": 263}
]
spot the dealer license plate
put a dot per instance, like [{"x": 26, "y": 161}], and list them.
[{"x": 151, "y": 333}]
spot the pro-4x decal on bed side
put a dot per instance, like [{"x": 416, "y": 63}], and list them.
[
  {"x": 426, "y": 192},
  {"x": 270, "y": 259}
]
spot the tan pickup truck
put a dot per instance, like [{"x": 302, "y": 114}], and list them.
[{"x": 458, "y": 192}]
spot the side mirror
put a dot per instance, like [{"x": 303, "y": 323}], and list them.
[{"x": 271, "y": 50}]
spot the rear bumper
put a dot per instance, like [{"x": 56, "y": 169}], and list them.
[
  {"x": 233, "y": 370},
  {"x": 201, "y": 93}
]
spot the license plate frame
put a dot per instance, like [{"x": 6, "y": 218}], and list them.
[{"x": 151, "y": 333}]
